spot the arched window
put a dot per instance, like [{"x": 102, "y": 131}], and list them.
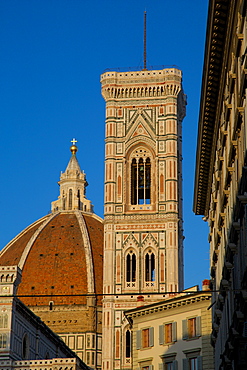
[
  {"x": 4, "y": 320},
  {"x": 70, "y": 198},
  {"x": 140, "y": 181},
  {"x": 3, "y": 340},
  {"x": 63, "y": 200},
  {"x": 25, "y": 347},
  {"x": 127, "y": 344},
  {"x": 131, "y": 267},
  {"x": 79, "y": 199},
  {"x": 150, "y": 267}
]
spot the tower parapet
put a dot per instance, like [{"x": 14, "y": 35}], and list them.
[{"x": 141, "y": 84}]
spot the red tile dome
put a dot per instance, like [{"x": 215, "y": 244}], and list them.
[{"x": 61, "y": 258}]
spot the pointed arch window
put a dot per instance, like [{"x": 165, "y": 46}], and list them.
[
  {"x": 140, "y": 181},
  {"x": 150, "y": 267},
  {"x": 3, "y": 340},
  {"x": 131, "y": 267},
  {"x": 70, "y": 198},
  {"x": 79, "y": 199},
  {"x": 127, "y": 344},
  {"x": 4, "y": 320}
]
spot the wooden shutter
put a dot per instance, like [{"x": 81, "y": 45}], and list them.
[
  {"x": 174, "y": 331},
  {"x": 185, "y": 329},
  {"x": 161, "y": 334},
  {"x": 138, "y": 339},
  {"x": 198, "y": 326},
  {"x": 161, "y": 366},
  {"x": 175, "y": 365},
  {"x": 151, "y": 337},
  {"x": 199, "y": 362},
  {"x": 185, "y": 364}
]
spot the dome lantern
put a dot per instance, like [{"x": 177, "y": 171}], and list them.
[{"x": 73, "y": 185}]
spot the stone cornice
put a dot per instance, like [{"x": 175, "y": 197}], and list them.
[
  {"x": 219, "y": 27},
  {"x": 168, "y": 304}
]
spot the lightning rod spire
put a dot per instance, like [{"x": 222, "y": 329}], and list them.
[{"x": 145, "y": 42}]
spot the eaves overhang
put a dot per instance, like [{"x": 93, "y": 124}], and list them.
[
  {"x": 168, "y": 304},
  {"x": 215, "y": 58}
]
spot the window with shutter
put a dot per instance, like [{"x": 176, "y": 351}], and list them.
[
  {"x": 193, "y": 363},
  {"x": 161, "y": 334},
  {"x": 198, "y": 326},
  {"x": 168, "y": 333},
  {"x": 193, "y": 360},
  {"x": 169, "y": 362},
  {"x": 138, "y": 339},
  {"x": 151, "y": 337},
  {"x": 185, "y": 364},
  {"x": 145, "y": 338},
  {"x": 199, "y": 362},
  {"x": 185, "y": 329},
  {"x": 169, "y": 365},
  {"x": 174, "y": 331},
  {"x": 146, "y": 365},
  {"x": 191, "y": 327}
]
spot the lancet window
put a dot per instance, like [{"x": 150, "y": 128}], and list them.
[
  {"x": 141, "y": 180},
  {"x": 4, "y": 320},
  {"x": 79, "y": 199},
  {"x": 70, "y": 198},
  {"x": 3, "y": 340},
  {"x": 127, "y": 344},
  {"x": 131, "y": 267},
  {"x": 150, "y": 266}
]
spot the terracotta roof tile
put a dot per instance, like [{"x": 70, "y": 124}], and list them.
[{"x": 56, "y": 263}]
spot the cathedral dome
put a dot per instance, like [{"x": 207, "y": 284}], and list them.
[
  {"x": 61, "y": 255},
  {"x": 61, "y": 258}
]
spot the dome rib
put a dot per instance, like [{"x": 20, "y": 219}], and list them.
[
  {"x": 60, "y": 256},
  {"x": 17, "y": 245},
  {"x": 33, "y": 238},
  {"x": 88, "y": 252}
]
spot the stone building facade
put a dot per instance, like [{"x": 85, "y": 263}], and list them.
[
  {"x": 221, "y": 176},
  {"x": 143, "y": 226},
  {"x": 25, "y": 341},
  {"x": 173, "y": 334}
]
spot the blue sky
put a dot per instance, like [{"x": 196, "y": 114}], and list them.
[{"x": 52, "y": 55}]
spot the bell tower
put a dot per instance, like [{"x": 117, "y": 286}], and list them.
[{"x": 143, "y": 247}]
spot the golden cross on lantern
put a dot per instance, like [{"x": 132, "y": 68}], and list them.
[{"x": 73, "y": 141}]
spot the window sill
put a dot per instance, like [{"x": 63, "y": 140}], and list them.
[
  {"x": 169, "y": 343},
  {"x": 193, "y": 338}
]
